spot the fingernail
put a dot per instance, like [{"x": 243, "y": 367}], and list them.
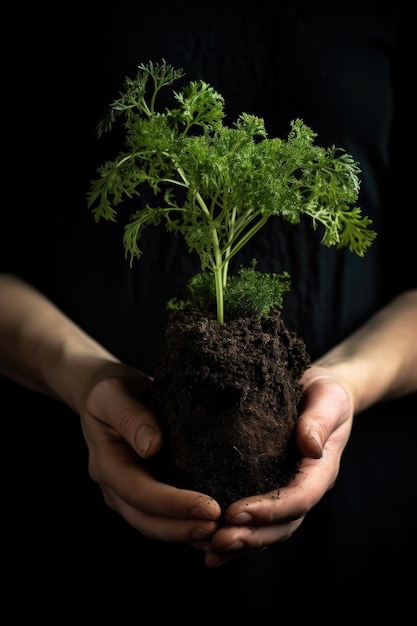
[
  {"x": 314, "y": 438},
  {"x": 237, "y": 545},
  {"x": 199, "y": 534},
  {"x": 198, "y": 513},
  {"x": 146, "y": 435},
  {"x": 242, "y": 519}
]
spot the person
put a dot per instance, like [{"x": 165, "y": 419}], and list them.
[
  {"x": 45, "y": 351},
  {"x": 79, "y": 331}
]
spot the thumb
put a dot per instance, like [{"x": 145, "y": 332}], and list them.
[
  {"x": 324, "y": 408},
  {"x": 118, "y": 401}
]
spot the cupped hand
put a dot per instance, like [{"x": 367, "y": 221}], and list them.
[
  {"x": 322, "y": 431},
  {"x": 121, "y": 432}
]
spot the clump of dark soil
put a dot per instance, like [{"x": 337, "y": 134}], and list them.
[{"x": 228, "y": 396}]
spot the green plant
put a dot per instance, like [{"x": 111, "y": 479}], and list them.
[
  {"x": 248, "y": 293},
  {"x": 218, "y": 185}
]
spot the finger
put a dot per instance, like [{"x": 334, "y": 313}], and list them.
[
  {"x": 326, "y": 408},
  {"x": 116, "y": 467},
  {"x": 161, "y": 528},
  {"x": 249, "y": 538},
  {"x": 116, "y": 403},
  {"x": 313, "y": 479},
  {"x": 231, "y": 543}
]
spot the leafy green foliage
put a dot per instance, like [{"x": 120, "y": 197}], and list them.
[
  {"x": 248, "y": 293},
  {"x": 218, "y": 185}
]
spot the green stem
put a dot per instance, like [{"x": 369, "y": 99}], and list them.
[{"x": 218, "y": 280}]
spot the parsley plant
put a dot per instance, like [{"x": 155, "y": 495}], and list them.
[{"x": 218, "y": 185}]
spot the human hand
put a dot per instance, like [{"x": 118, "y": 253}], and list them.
[
  {"x": 120, "y": 430},
  {"x": 322, "y": 431}
]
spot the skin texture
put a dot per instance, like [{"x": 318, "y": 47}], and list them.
[{"x": 43, "y": 350}]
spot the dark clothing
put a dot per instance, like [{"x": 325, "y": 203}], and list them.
[{"x": 335, "y": 65}]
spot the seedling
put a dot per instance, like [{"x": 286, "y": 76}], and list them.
[{"x": 218, "y": 185}]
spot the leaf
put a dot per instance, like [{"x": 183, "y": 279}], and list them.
[{"x": 218, "y": 185}]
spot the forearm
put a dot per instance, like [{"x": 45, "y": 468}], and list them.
[
  {"x": 41, "y": 348},
  {"x": 379, "y": 360}
]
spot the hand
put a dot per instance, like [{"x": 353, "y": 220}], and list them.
[
  {"x": 322, "y": 431},
  {"x": 120, "y": 430}
]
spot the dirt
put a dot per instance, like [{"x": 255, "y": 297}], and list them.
[{"x": 228, "y": 395}]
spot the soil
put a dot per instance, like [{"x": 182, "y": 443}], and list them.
[{"x": 228, "y": 396}]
